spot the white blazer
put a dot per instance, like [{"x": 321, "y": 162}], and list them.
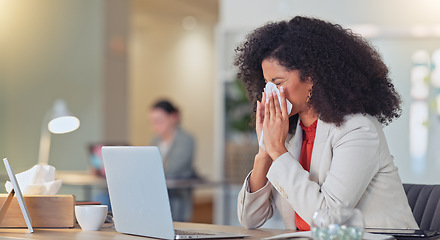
[{"x": 351, "y": 166}]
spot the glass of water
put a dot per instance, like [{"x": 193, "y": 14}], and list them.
[{"x": 338, "y": 223}]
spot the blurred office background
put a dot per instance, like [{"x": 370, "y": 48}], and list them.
[{"x": 111, "y": 59}]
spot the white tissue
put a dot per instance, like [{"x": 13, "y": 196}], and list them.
[
  {"x": 39, "y": 180},
  {"x": 270, "y": 87}
]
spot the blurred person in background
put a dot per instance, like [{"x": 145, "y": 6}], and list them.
[{"x": 177, "y": 148}]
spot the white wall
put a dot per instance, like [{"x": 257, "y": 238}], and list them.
[
  {"x": 245, "y": 13},
  {"x": 167, "y": 61},
  {"x": 240, "y": 16},
  {"x": 49, "y": 49}
]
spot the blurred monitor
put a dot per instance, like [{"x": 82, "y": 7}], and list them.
[{"x": 95, "y": 157}]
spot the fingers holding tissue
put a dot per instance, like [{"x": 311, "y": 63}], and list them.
[{"x": 271, "y": 87}]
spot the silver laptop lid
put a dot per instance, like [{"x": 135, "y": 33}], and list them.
[
  {"x": 139, "y": 197},
  {"x": 137, "y": 189}
]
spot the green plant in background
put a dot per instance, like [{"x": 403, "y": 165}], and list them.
[
  {"x": 241, "y": 140},
  {"x": 238, "y": 108}
]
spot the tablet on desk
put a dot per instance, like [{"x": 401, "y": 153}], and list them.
[
  {"x": 405, "y": 233},
  {"x": 17, "y": 192}
]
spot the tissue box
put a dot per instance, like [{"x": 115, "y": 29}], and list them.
[{"x": 48, "y": 211}]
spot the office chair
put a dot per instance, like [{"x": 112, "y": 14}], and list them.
[{"x": 424, "y": 201}]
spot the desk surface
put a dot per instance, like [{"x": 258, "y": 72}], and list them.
[
  {"x": 81, "y": 178},
  {"x": 108, "y": 232},
  {"x": 86, "y": 178}
]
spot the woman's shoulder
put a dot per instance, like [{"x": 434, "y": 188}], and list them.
[{"x": 358, "y": 121}]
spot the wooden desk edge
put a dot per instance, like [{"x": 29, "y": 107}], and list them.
[{"x": 109, "y": 232}]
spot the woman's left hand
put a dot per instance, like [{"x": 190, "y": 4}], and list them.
[{"x": 275, "y": 124}]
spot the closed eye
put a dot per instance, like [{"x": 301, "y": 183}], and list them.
[{"x": 278, "y": 80}]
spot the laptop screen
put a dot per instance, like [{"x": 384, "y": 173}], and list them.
[{"x": 137, "y": 189}]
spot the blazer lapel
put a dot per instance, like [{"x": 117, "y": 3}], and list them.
[
  {"x": 322, "y": 133},
  {"x": 295, "y": 143}
]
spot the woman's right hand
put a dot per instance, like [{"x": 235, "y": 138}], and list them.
[{"x": 262, "y": 161}]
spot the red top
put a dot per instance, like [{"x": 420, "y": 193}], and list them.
[{"x": 305, "y": 159}]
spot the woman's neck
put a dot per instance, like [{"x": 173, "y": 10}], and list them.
[{"x": 308, "y": 118}]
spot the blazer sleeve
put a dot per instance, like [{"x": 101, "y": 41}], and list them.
[
  {"x": 179, "y": 160},
  {"x": 351, "y": 155},
  {"x": 254, "y": 209}
]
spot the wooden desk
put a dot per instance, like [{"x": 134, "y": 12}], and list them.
[{"x": 108, "y": 232}]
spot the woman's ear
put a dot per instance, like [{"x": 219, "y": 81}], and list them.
[{"x": 310, "y": 82}]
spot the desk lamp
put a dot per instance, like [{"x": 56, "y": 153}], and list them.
[{"x": 57, "y": 120}]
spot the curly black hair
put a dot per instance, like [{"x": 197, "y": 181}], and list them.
[{"x": 347, "y": 73}]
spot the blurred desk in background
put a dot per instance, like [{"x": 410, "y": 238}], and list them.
[
  {"x": 89, "y": 181},
  {"x": 83, "y": 179},
  {"x": 192, "y": 183}
]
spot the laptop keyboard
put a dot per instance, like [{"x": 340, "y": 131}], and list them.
[{"x": 183, "y": 232}]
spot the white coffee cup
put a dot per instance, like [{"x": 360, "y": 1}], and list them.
[{"x": 90, "y": 217}]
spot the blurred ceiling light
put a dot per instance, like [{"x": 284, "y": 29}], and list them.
[
  {"x": 420, "y": 31},
  {"x": 5, "y": 13},
  {"x": 366, "y": 30},
  {"x": 189, "y": 23}
]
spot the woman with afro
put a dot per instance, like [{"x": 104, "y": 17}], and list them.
[{"x": 330, "y": 151}]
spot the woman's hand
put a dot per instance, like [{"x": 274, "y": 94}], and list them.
[
  {"x": 275, "y": 124},
  {"x": 274, "y": 121},
  {"x": 259, "y": 120},
  {"x": 262, "y": 161}
]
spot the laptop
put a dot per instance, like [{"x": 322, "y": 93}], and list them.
[
  {"x": 406, "y": 233},
  {"x": 139, "y": 197}
]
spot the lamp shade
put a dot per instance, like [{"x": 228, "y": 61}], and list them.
[
  {"x": 62, "y": 121},
  {"x": 57, "y": 120},
  {"x": 63, "y": 124}
]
